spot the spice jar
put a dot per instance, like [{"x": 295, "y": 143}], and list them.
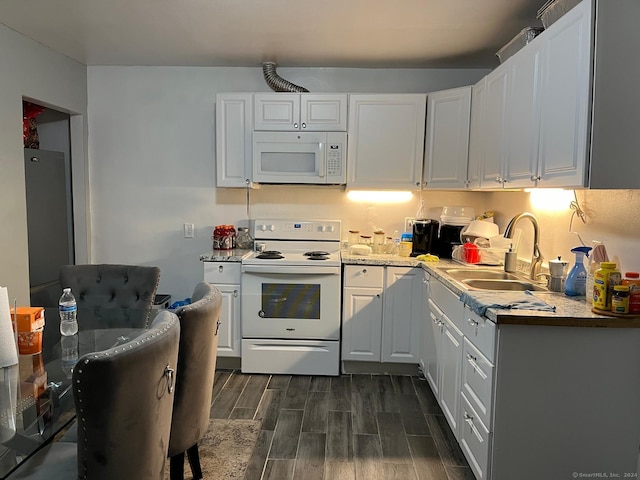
[
  {"x": 632, "y": 280},
  {"x": 354, "y": 237},
  {"x": 378, "y": 241},
  {"x": 365, "y": 240}
]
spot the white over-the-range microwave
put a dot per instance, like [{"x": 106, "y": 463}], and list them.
[{"x": 317, "y": 158}]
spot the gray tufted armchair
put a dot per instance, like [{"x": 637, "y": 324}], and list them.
[
  {"x": 124, "y": 399},
  {"x": 194, "y": 384},
  {"x": 129, "y": 289}
]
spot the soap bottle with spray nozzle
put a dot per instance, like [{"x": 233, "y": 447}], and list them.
[{"x": 576, "y": 283}]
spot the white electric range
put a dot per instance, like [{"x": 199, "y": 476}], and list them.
[{"x": 291, "y": 294}]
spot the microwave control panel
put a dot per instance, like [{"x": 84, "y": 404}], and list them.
[{"x": 334, "y": 159}]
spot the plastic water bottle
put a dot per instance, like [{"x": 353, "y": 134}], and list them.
[
  {"x": 68, "y": 309},
  {"x": 69, "y": 346}
]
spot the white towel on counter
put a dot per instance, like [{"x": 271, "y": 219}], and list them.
[{"x": 479, "y": 302}]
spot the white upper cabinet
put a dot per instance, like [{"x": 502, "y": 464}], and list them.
[
  {"x": 447, "y": 139},
  {"x": 494, "y": 115},
  {"x": 233, "y": 139},
  {"x": 523, "y": 119},
  {"x": 300, "y": 112},
  {"x": 386, "y": 141},
  {"x": 476, "y": 134},
  {"x": 564, "y": 119}
]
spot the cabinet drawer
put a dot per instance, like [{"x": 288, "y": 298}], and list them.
[
  {"x": 480, "y": 331},
  {"x": 363, "y": 276},
  {"x": 474, "y": 440},
  {"x": 447, "y": 301},
  {"x": 222, "y": 272},
  {"x": 477, "y": 381}
]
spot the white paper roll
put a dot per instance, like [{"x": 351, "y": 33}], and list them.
[{"x": 8, "y": 350}]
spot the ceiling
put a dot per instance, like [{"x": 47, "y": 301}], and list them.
[{"x": 302, "y": 33}]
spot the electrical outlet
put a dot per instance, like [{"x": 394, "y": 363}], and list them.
[
  {"x": 408, "y": 223},
  {"x": 188, "y": 230}
]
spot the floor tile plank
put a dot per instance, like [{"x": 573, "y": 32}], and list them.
[
  {"x": 320, "y": 384},
  {"x": 339, "y": 470},
  {"x": 395, "y": 448},
  {"x": 425, "y": 396},
  {"x": 311, "y": 457},
  {"x": 339, "y": 436},
  {"x": 367, "y": 457},
  {"x": 279, "y": 382},
  {"x": 237, "y": 381},
  {"x": 259, "y": 456},
  {"x": 296, "y": 396},
  {"x": 398, "y": 471},
  {"x": 219, "y": 380},
  {"x": 269, "y": 408},
  {"x": 361, "y": 382},
  {"x": 445, "y": 441},
  {"x": 316, "y": 412},
  {"x": 278, "y": 470},
  {"x": 243, "y": 413},
  {"x": 224, "y": 403},
  {"x": 286, "y": 435},
  {"x": 403, "y": 384},
  {"x": 340, "y": 398},
  {"x": 363, "y": 405},
  {"x": 459, "y": 473},
  {"x": 426, "y": 458},
  {"x": 252, "y": 393},
  {"x": 412, "y": 416}
]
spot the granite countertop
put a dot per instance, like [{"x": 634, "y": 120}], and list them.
[
  {"x": 235, "y": 255},
  {"x": 570, "y": 311}
]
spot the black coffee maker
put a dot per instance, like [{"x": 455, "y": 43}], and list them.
[
  {"x": 425, "y": 237},
  {"x": 449, "y": 238}
]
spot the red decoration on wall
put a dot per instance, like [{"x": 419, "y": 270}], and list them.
[{"x": 29, "y": 128}]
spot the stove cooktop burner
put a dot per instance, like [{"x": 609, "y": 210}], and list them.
[
  {"x": 316, "y": 253},
  {"x": 270, "y": 255},
  {"x": 318, "y": 257}
]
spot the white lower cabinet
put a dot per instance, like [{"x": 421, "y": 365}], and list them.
[
  {"x": 381, "y": 313},
  {"x": 226, "y": 276},
  {"x": 459, "y": 371}
]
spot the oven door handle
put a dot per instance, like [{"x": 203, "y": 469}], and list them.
[{"x": 290, "y": 270}]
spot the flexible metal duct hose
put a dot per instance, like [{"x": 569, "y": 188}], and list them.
[{"x": 276, "y": 82}]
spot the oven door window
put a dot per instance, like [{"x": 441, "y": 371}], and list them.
[{"x": 290, "y": 300}]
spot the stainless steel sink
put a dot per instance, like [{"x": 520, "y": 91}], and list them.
[
  {"x": 485, "y": 279},
  {"x": 468, "y": 273},
  {"x": 493, "y": 284}
]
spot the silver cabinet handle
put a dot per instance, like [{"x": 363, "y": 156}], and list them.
[
  {"x": 535, "y": 178},
  {"x": 235, "y": 293},
  {"x": 471, "y": 358},
  {"x": 170, "y": 374},
  {"x": 472, "y": 322},
  {"x": 304, "y": 125},
  {"x": 220, "y": 268},
  {"x": 364, "y": 271},
  {"x": 377, "y": 295},
  {"x": 418, "y": 184},
  {"x": 295, "y": 125}
]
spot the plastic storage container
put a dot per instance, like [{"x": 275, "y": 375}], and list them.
[
  {"x": 552, "y": 10},
  {"x": 605, "y": 278},
  {"x": 523, "y": 38},
  {"x": 632, "y": 280}
]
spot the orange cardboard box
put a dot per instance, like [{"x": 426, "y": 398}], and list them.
[{"x": 29, "y": 319}]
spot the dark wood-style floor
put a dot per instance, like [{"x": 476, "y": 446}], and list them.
[{"x": 351, "y": 427}]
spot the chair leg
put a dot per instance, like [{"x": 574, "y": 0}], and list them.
[
  {"x": 194, "y": 462},
  {"x": 176, "y": 467}
]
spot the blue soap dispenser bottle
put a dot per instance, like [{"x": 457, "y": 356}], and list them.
[{"x": 576, "y": 283}]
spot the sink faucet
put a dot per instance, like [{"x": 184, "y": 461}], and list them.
[{"x": 536, "y": 257}]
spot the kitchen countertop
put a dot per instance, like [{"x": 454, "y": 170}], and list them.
[
  {"x": 570, "y": 311},
  {"x": 235, "y": 255}
]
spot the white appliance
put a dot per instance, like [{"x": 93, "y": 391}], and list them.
[
  {"x": 300, "y": 157},
  {"x": 291, "y": 296}
]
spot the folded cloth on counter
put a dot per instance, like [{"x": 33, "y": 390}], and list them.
[{"x": 479, "y": 302}]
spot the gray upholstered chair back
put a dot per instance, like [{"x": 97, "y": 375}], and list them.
[
  {"x": 124, "y": 402},
  {"x": 196, "y": 368},
  {"x": 129, "y": 289}
]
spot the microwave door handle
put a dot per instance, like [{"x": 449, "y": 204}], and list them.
[{"x": 321, "y": 158}]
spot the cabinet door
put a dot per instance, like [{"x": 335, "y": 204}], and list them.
[
  {"x": 476, "y": 134},
  {"x": 233, "y": 139},
  {"x": 447, "y": 139},
  {"x": 361, "y": 324},
  {"x": 229, "y": 332},
  {"x": 277, "y": 111},
  {"x": 323, "y": 112},
  {"x": 432, "y": 331},
  {"x": 565, "y": 108},
  {"x": 402, "y": 315},
  {"x": 450, "y": 373},
  {"x": 523, "y": 118},
  {"x": 386, "y": 141},
  {"x": 494, "y": 123}
]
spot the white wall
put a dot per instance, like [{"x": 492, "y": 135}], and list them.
[
  {"x": 33, "y": 71},
  {"x": 152, "y": 155}
]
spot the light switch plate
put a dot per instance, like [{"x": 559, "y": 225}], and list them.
[{"x": 188, "y": 230}]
